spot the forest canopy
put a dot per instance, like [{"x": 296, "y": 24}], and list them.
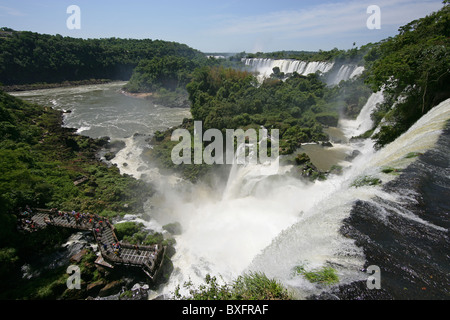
[
  {"x": 413, "y": 69},
  {"x": 29, "y": 57}
]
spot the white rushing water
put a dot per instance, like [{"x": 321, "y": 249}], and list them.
[
  {"x": 345, "y": 72},
  {"x": 264, "y": 66},
  {"x": 335, "y": 73},
  {"x": 272, "y": 223},
  {"x": 269, "y": 222},
  {"x": 314, "y": 241},
  {"x": 102, "y": 110}
]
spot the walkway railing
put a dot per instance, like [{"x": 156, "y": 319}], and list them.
[{"x": 113, "y": 251}]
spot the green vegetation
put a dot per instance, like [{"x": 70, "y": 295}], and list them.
[
  {"x": 350, "y": 96},
  {"x": 326, "y": 275},
  {"x": 29, "y": 57},
  {"x": 390, "y": 170},
  {"x": 135, "y": 233},
  {"x": 305, "y": 168},
  {"x": 173, "y": 228},
  {"x": 166, "y": 78},
  {"x": 47, "y": 166},
  {"x": 226, "y": 98},
  {"x": 51, "y": 284},
  {"x": 168, "y": 72},
  {"x": 351, "y": 55},
  {"x": 252, "y": 286},
  {"x": 414, "y": 70},
  {"x": 366, "y": 181},
  {"x": 412, "y": 155}
]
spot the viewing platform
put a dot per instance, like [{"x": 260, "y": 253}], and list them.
[{"x": 112, "y": 251}]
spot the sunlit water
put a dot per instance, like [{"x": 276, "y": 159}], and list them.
[{"x": 102, "y": 110}]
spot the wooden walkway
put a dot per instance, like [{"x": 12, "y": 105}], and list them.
[{"x": 113, "y": 252}]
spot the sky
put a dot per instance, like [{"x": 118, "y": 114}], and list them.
[{"x": 222, "y": 26}]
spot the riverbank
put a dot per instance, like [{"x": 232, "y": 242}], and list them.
[{"x": 39, "y": 86}]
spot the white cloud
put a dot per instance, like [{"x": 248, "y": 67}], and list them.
[
  {"x": 327, "y": 19},
  {"x": 11, "y": 12}
]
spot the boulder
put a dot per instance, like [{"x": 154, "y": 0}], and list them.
[
  {"x": 76, "y": 258},
  {"x": 302, "y": 158},
  {"x": 352, "y": 156},
  {"x": 94, "y": 287},
  {"x": 110, "y": 289}
]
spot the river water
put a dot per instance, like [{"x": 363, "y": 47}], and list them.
[
  {"x": 255, "y": 219},
  {"x": 102, "y": 110}
]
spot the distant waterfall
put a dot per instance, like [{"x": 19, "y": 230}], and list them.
[
  {"x": 345, "y": 72},
  {"x": 333, "y": 73},
  {"x": 363, "y": 122},
  {"x": 264, "y": 66}
]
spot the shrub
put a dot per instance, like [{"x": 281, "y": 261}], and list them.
[
  {"x": 365, "y": 181},
  {"x": 252, "y": 286},
  {"x": 326, "y": 275},
  {"x": 128, "y": 228}
]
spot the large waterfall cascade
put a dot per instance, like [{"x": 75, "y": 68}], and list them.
[
  {"x": 315, "y": 241},
  {"x": 264, "y": 68},
  {"x": 270, "y": 222}
]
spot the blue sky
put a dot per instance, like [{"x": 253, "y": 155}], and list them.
[{"x": 221, "y": 26}]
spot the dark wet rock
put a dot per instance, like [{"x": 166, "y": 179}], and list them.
[
  {"x": 92, "y": 289},
  {"x": 110, "y": 288},
  {"x": 406, "y": 238},
  {"x": 353, "y": 155},
  {"x": 76, "y": 258}
]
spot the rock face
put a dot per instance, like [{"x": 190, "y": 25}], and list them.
[
  {"x": 111, "y": 288},
  {"x": 112, "y": 148},
  {"x": 76, "y": 258},
  {"x": 407, "y": 239},
  {"x": 353, "y": 155},
  {"x": 305, "y": 168},
  {"x": 93, "y": 289}
]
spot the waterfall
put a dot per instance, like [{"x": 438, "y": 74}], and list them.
[
  {"x": 264, "y": 66},
  {"x": 262, "y": 219},
  {"x": 357, "y": 72},
  {"x": 225, "y": 229},
  {"x": 316, "y": 239},
  {"x": 333, "y": 73},
  {"x": 345, "y": 72},
  {"x": 354, "y": 128}
]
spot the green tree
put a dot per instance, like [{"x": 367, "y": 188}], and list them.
[{"x": 413, "y": 68}]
